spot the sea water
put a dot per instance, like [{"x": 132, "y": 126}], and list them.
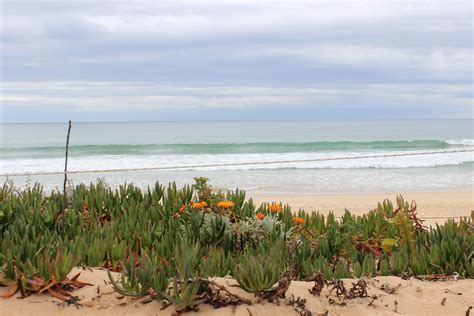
[{"x": 259, "y": 156}]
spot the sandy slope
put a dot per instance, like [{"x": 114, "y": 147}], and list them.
[
  {"x": 430, "y": 204},
  {"x": 413, "y": 297}
]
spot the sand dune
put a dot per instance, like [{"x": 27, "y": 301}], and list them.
[{"x": 412, "y": 297}]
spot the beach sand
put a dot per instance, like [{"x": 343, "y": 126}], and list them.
[
  {"x": 432, "y": 206},
  {"x": 412, "y": 297}
]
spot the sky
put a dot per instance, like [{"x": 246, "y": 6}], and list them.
[{"x": 100, "y": 60}]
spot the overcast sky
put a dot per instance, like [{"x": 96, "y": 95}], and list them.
[{"x": 128, "y": 60}]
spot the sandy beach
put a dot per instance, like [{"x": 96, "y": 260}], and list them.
[
  {"x": 432, "y": 206},
  {"x": 411, "y": 297}
]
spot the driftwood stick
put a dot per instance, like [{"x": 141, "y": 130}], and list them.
[
  {"x": 65, "y": 181},
  {"x": 223, "y": 288}
]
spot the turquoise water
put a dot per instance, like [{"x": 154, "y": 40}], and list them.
[
  {"x": 36, "y": 135},
  {"x": 228, "y": 148},
  {"x": 37, "y": 148}
]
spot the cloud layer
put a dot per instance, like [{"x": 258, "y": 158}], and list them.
[{"x": 90, "y": 60}]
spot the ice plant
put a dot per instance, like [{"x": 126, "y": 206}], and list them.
[
  {"x": 226, "y": 204},
  {"x": 298, "y": 220},
  {"x": 275, "y": 208},
  {"x": 259, "y": 270},
  {"x": 133, "y": 232}
]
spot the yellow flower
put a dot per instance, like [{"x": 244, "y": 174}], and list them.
[
  {"x": 199, "y": 204},
  {"x": 226, "y": 204},
  {"x": 260, "y": 216},
  {"x": 298, "y": 220},
  {"x": 275, "y": 208}
]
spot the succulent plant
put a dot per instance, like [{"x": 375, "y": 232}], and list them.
[
  {"x": 152, "y": 240},
  {"x": 133, "y": 281},
  {"x": 217, "y": 263},
  {"x": 259, "y": 270},
  {"x": 185, "y": 294}
]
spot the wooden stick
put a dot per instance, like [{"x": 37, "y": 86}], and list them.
[{"x": 65, "y": 181}]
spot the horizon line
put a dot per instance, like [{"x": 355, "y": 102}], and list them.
[{"x": 256, "y": 120}]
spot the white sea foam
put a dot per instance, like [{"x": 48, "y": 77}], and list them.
[
  {"x": 108, "y": 162},
  {"x": 464, "y": 142}
]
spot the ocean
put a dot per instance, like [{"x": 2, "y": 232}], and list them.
[{"x": 258, "y": 156}]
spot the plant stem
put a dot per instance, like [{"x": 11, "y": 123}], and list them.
[{"x": 64, "y": 184}]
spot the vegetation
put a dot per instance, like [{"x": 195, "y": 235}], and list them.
[{"x": 167, "y": 242}]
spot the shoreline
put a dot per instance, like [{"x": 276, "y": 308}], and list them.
[
  {"x": 430, "y": 205},
  {"x": 352, "y": 192}
]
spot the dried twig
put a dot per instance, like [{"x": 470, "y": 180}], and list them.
[
  {"x": 438, "y": 277},
  {"x": 279, "y": 292},
  {"x": 359, "y": 289},
  {"x": 333, "y": 302},
  {"x": 452, "y": 292},
  {"x": 371, "y": 303},
  {"x": 387, "y": 288},
  {"x": 468, "y": 311},
  {"x": 165, "y": 304},
  {"x": 319, "y": 283},
  {"x": 219, "y": 296},
  {"x": 73, "y": 300},
  {"x": 299, "y": 305},
  {"x": 338, "y": 285}
]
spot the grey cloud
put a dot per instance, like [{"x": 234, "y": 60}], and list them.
[{"x": 423, "y": 48}]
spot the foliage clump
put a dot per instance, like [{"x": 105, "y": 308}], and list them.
[{"x": 168, "y": 242}]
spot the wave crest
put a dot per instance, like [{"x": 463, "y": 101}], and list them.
[{"x": 231, "y": 148}]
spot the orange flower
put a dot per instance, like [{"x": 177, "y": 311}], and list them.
[
  {"x": 199, "y": 204},
  {"x": 260, "y": 216},
  {"x": 298, "y": 220},
  {"x": 181, "y": 210},
  {"x": 226, "y": 204},
  {"x": 275, "y": 208}
]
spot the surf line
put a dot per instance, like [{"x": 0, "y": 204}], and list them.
[{"x": 233, "y": 164}]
